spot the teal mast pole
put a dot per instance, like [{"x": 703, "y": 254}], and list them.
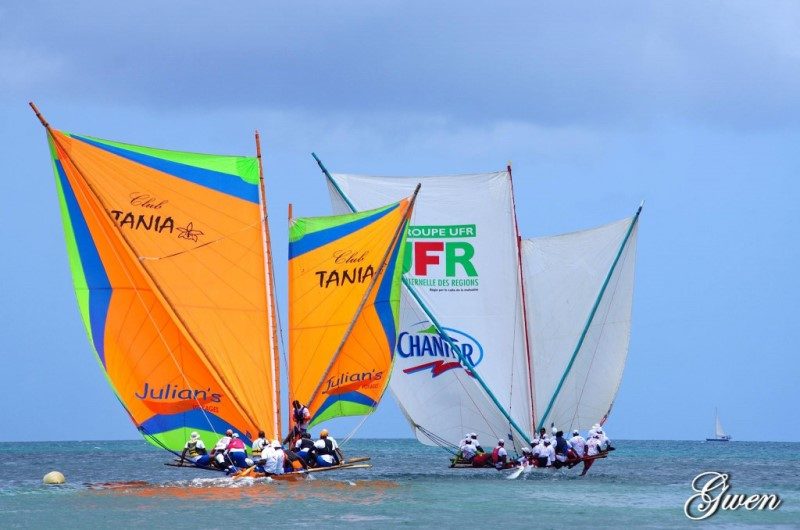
[
  {"x": 591, "y": 317},
  {"x": 434, "y": 321}
]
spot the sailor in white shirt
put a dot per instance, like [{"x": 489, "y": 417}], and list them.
[
  {"x": 468, "y": 451},
  {"x": 593, "y": 445},
  {"x": 546, "y": 454},
  {"x": 269, "y": 459},
  {"x": 578, "y": 443},
  {"x": 219, "y": 450},
  {"x": 499, "y": 454},
  {"x": 475, "y": 442},
  {"x": 605, "y": 443}
]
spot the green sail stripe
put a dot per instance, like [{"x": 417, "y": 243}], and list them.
[
  {"x": 343, "y": 408},
  {"x": 177, "y": 438},
  {"x": 75, "y": 264},
  {"x": 244, "y": 167},
  {"x": 303, "y": 226},
  {"x": 394, "y": 294},
  {"x": 80, "y": 285}
]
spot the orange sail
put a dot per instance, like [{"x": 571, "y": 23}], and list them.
[
  {"x": 167, "y": 254},
  {"x": 344, "y": 292}
]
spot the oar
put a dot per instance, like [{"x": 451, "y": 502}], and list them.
[
  {"x": 516, "y": 473},
  {"x": 244, "y": 473}
]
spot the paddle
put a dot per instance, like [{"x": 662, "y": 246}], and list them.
[
  {"x": 516, "y": 473},
  {"x": 244, "y": 473}
]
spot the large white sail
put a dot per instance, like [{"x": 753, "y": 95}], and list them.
[
  {"x": 579, "y": 300},
  {"x": 463, "y": 265}
]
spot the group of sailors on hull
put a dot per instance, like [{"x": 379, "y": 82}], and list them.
[
  {"x": 545, "y": 451},
  {"x": 298, "y": 451}
]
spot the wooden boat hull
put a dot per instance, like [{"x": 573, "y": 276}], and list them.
[
  {"x": 586, "y": 459},
  {"x": 358, "y": 462}
]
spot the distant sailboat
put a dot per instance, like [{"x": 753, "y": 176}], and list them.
[{"x": 719, "y": 432}]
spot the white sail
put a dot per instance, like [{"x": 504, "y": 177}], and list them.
[
  {"x": 718, "y": 430},
  {"x": 575, "y": 386},
  {"x": 463, "y": 265}
]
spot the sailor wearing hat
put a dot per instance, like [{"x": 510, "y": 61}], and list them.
[
  {"x": 578, "y": 443},
  {"x": 237, "y": 451},
  {"x": 218, "y": 453},
  {"x": 500, "y": 455},
  {"x": 195, "y": 450},
  {"x": 593, "y": 445},
  {"x": 546, "y": 453},
  {"x": 327, "y": 450}
]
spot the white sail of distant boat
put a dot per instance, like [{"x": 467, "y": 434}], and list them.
[
  {"x": 565, "y": 371},
  {"x": 719, "y": 432}
]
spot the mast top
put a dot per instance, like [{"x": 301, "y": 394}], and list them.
[{"x": 39, "y": 115}]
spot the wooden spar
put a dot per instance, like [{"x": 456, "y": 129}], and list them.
[
  {"x": 39, "y": 115},
  {"x": 397, "y": 235},
  {"x": 269, "y": 277},
  {"x": 524, "y": 305}
]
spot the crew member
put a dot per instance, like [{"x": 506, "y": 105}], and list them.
[
  {"x": 527, "y": 457},
  {"x": 500, "y": 455},
  {"x": 593, "y": 445},
  {"x": 592, "y": 450},
  {"x": 195, "y": 451},
  {"x": 269, "y": 460},
  {"x": 468, "y": 451},
  {"x": 258, "y": 445},
  {"x": 475, "y": 442},
  {"x": 546, "y": 454},
  {"x": 578, "y": 443},
  {"x": 562, "y": 449},
  {"x": 237, "y": 452},
  {"x": 301, "y": 417},
  {"x": 280, "y": 457},
  {"x": 605, "y": 443},
  {"x": 327, "y": 450},
  {"x": 218, "y": 453},
  {"x": 304, "y": 447}
]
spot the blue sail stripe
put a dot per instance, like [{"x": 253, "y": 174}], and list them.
[
  {"x": 383, "y": 303},
  {"x": 93, "y": 270},
  {"x": 354, "y": 397},
  {"x": 321, "y": 238},
  {"x": 222, "y": 182},
  {"x": 193, "y": 419}
]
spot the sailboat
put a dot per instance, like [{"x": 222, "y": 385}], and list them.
[
  {"x": 719, "y": 432},
  {"x": 501, "y": 336},
  {"x": 172, "y": 268}
]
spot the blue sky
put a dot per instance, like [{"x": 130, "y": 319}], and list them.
[{"x": 691, "y": 106}]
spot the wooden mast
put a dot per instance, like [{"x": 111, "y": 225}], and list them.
[
  {"x": 270, "y": 293},
  {"x": 524, "y": 306}
]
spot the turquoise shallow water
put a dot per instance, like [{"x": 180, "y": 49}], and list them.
[{"x": 643, "y": 484}]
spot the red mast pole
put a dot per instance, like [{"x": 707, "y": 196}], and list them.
[{"x": 524, "y": 306}]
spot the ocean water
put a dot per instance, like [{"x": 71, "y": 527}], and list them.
[{"x": 642, "y": 484}]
